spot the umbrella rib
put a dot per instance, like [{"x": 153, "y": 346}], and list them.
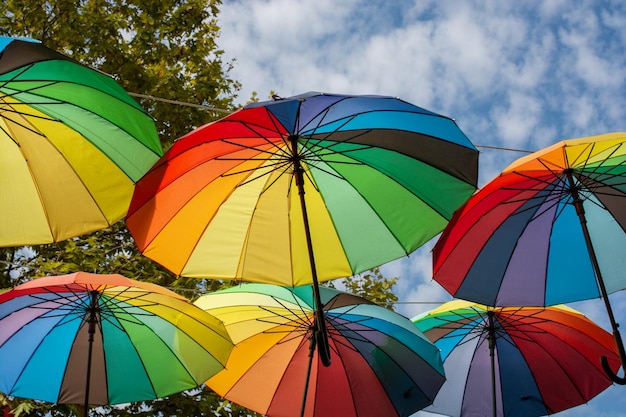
[
  {"x": 54, "y": 101},
  {"x": 11, "y": 108},
  {"x": 296, "y": 300},
  {"x": 279, "y": 165},
  {"x": 75, "y": 306},
  {"x": 14, "y": 79},
  {"x": 23, "y": 125},
  {"x": 33, "y": 90},
  {"x": 20, "y": 72},
  {"x": 555, "y": 360},
  {"x": 295, "y": 321},
  {"x": 279, "y": 151},
  {"x": 548, "y": 202},
  {"x": 293, "y": 317},
  {"x": 109, "y": 315},
  {"x": 117, "y": 323}
]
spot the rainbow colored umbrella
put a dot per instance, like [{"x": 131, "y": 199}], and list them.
[
  {"x": 72, "y": 145},
  {"x": 104, "y": 339},
  {"x": 303, "y": 189},
  {"x": 548, "y": 230},
  {"x": 516, "y": 361},
  {"x": 382, "y": 366}
]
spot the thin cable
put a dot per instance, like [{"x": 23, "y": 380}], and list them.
[
  {"x": 216, "y": 109},
  {"x": 180, "y": 103},
  {"x": 503, "y": 149}
]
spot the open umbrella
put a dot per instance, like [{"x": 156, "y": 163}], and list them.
[
  {"x": 303, "y": 189},
  {"x": 548, "y": 230},
  {"x": 383, "y": 366},
  {"x": 104, "y": 339},
  {"x": 516, "y": 361},
  {"x": 72, "y": 145}
]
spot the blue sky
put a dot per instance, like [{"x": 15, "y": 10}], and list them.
[{"x": 513, "y": 74}]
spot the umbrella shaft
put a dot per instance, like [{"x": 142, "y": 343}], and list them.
[
  {"x": 491, "y": 336},
  {"x": 308, "y": 375},
  {"x": 580, "y": 210},
  {"x": 91, "y": 322},
  {"x": 320, "y": 328}
]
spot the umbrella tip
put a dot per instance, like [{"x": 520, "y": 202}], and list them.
[{"x": 276, "y": 97}]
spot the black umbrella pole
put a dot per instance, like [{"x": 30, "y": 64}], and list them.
[
  {"x": 491, "y": 336},
  {"x": 320, "y": 327},
  {"x": 619, "y": 344},
  {"x": 91, "y": 322},
  {"x": 308, "y": 375}
]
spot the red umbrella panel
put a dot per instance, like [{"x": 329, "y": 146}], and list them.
[
  {"x": 548, "y": 230},
  {"x": 303, "y": 189},
  {"x": 370, "y": 178},
  {"x": 73, "y": 144},
  {"x": 516, "y": 361},
  {"x": 382, "y": 365},
  {"x": 104, "y": 339}
]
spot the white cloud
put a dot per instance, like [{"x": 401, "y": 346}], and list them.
[{"x": 517, "y": 75}]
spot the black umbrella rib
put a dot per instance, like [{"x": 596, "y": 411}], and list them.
[
  {"x": 550, "y": 200},
  {"x": 71, "y": 82},
  {"x": 585, "y": 157},
  {"x": 75, "y": 305},
  {"x": 309, "y": 138},
  {"x": 30, "y": 129},
  {"x": 555, "y": 175},
  {"x": 310, "y": 156},
  {"x": 339, "y": 340},
  {"x": 315, "y": 163},
  {"x": 23, "y": 70},
  {"x": 58, "y": 102},
  {"x": 10, "y": 109},
  {"x": 327, "y": 134},
  {"x": 474, "y": 325},
  {"x": 298, "y": 303},
  {"x": 293, "y": 314},
  {"x": 230, "y": 141},
  {"x": 557, "y": 197},
  {"x": 292, "y": 317},
  {"x": 277, "y": 163},
  {"x": 602, "y": 180},
  {"x": 514, "y": 323},
  {"x": 301, "y": 323},
  {"x": 33, "y": 90},
  {"x": 558, "y": 362},
  {"x": 280, "y": 166},
  {"x": 595, "y": 171},
  {"x": 72, "y": 298}
]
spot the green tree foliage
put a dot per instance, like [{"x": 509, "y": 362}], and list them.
[
  {"x": 160, "y": 48},
  {"x": 372, "y": 285},
  {"x": 154, "y": 48}
]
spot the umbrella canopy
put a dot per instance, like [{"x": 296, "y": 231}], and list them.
[
  {"x": 104, "y": 339},
  {"x": 516, "y": 361},
  {"x": 302, "y": 190},
  {"x": 72, "y": 145},
  {"x": 379, "y": 177},
  {"x": 383, "y": 365},
  {"x": 548, "y": 230}
]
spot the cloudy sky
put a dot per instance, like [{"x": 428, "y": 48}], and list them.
[{"x": 514, "y": 75}]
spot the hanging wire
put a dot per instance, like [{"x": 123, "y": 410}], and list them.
[
  {"x": 218, "y": 110},
  {"x": 180, "y": 103},
  {"x": 498, "y": 148}
]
